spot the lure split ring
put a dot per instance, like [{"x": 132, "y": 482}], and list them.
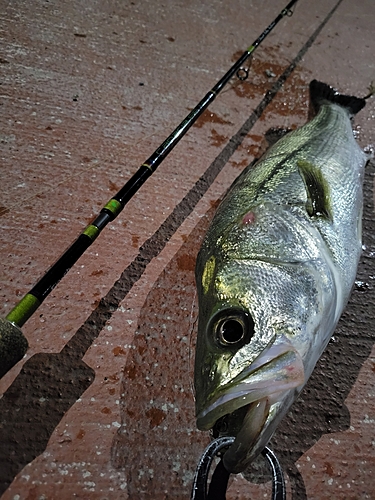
[{"x": 219, "y": 481}]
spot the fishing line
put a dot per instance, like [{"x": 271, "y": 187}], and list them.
[{"x": 13, "y": 344}]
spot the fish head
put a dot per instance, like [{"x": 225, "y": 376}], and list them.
[{"x": 257, "y": 345}]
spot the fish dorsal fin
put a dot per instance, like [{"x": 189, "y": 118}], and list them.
[
  {"x": 321, "y": 93},
  {"x": 274, "y": 134},
  {"x": 318, "y": 201}
]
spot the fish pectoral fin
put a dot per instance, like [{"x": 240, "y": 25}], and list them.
[{"x": 317, "y": 190}]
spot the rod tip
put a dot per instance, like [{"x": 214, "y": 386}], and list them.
[{"x": 13, "y": 345}]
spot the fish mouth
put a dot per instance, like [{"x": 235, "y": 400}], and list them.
[{"x": 253, "y": 403}]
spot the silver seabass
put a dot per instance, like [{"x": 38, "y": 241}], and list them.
[{"x": 274, "y": 274}]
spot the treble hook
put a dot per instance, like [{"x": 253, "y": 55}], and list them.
[{"x": 220, "y": 477}]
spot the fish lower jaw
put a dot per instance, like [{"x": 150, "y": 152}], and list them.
[
  {"x": 247, "y": 443},
  {"x": 249, "y": 424},
  {"x": 259, "y": 423}
]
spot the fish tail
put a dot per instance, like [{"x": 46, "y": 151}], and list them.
[{"x": 321, "y": 93}]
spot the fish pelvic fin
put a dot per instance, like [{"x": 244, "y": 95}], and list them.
[{"x": 321, "y": 93}]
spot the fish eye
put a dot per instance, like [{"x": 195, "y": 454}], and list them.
[
  {"x": 231, "y": 331},
  {"x": 234, "y": 328}
]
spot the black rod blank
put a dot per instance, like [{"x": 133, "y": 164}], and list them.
[{"x": 32, "y": 300}]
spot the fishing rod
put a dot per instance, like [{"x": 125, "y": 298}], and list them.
[{"x": 13, "y": 344}]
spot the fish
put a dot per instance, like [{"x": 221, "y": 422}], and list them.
[{"x": 274, "y": 273}]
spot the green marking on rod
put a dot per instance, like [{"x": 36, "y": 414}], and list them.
[
  {"x": 251, "y": 49},
  {"x": 92, "y": 232},
  {"x": 114, "y": 206},
  {"x": 23, "y": 310}
]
